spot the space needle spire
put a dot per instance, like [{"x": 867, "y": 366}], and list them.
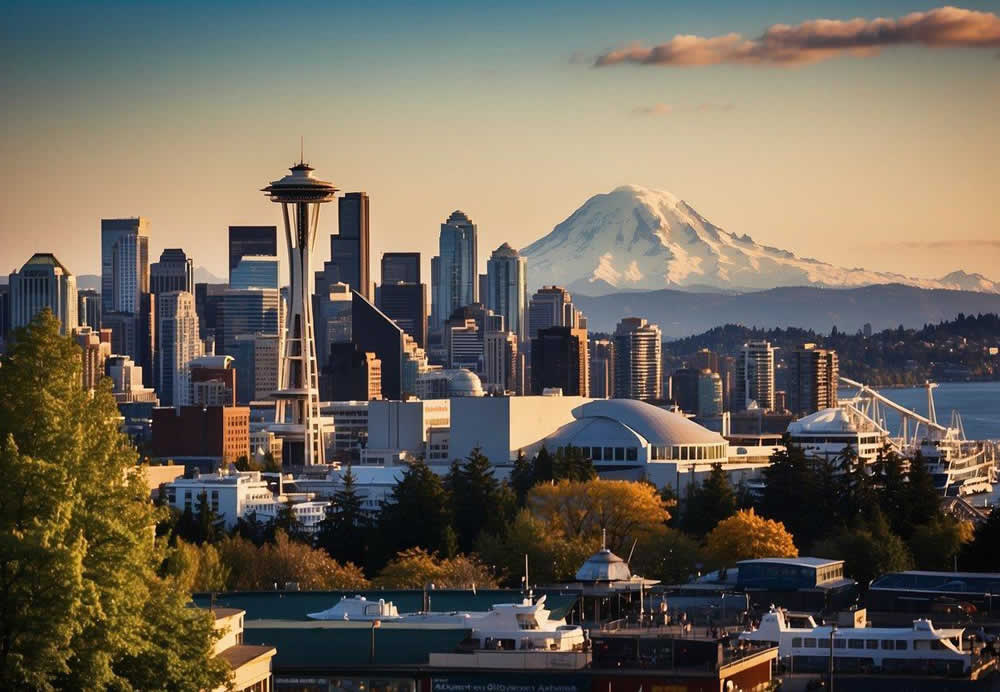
[{"x": 297, "y": 418}]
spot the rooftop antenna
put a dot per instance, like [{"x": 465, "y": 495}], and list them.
[
  {"x": 302, "y": 149},
  {"x": 604, "y": 539}
]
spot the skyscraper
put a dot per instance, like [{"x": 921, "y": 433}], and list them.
[
  {"x": 455, "y": 278},
  {"x": 96, "y": 351},
  {"x": 813, "y": 377},
  {"x": 349, "y": 260},
  {"x": 251, "y": 240},
  {"x": 406, "y": 304},
  {"x": 124, "y": 264},
  {"x": 373, "y": 331},
  {"x": 255, "y": 271},
  {"x": 602, "y": 368},
  {"x": 684, "y": 388},
  {"x": 709, "y": 394},
  {"x": 297, "y": 419},
  {"x": 245, "y": 311},
  {"x": 500, "y": 357},
  {"x": 507, "y": 288},
  {"x": 174, "y": 272},
  {"x": 88, "y": 308},
  {"x": 754, "y": 380},
  {"x": 559, "y": 358},
  {"x": 43, "y": 282},
  {"x": 638, "y": 363},
  {"x": 551, "y": 306},
  {"x": 177, "y": 334},
  {"x": 401, "y": 267}
]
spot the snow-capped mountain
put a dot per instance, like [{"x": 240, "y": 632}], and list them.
[{"x": 635, "y": 238}]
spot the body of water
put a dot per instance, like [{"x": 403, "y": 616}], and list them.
[{"x": 977, "y": 402}]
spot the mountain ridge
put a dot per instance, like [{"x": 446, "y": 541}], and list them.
[{"x": 638, "y": 238}]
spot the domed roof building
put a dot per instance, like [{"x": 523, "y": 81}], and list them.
[{"x": 631, "y": 432}]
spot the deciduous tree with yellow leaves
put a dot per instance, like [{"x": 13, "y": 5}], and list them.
[{"x": 745, "y": 536}]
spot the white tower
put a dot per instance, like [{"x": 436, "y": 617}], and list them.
[{"x": 296, "y": 418}]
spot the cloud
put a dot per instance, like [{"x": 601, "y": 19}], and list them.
[
  {"x": 655, "y": 109},
  {"x": 819, "y": 39}
]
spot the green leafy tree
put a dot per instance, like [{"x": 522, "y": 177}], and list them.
[
  {"x": 345, "y": 531},
  {"x": 709, "y": 502},
  {"x": 867, "y": 551},
  {"x": 936, "y": 545},
  {"x": 572, "y": 464},
  {"x": 81, "y": 603}
]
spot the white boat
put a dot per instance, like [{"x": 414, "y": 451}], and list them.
[
  {"x": 521, "y": 636},
  {"x": 873, "y": 648},
  {"x": 358, "y": 609}
]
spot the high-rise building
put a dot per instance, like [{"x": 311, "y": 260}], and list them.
[
  {"x": 178, "y": 345},
  {"x": 401, "y": 267},
  {"x": 373, "y": 331},
  {"x": 126, "y": 381},
  {"x": 551, "y": 306},
  {"x": 352, "y": 375},
  {"x": 332, "y": 316},
  {"x": 507, "y": 288},
  {"x": 684, "y": 388},
  {"x": 753, "y": 383},
  {"x": 297, "y": 416},
  {"x": 559, "y": 358},
  {"x": 455, "y": 271},
  {"x": 213, "y": 381},
  {"x": 220, "y": 432},
  {"x": 255, "y": 271},
  {"x": 43, "y": 282},
  {"x": 638, "y": 360},
  {"x": 256, "y": 360},
  {"x": 705, "y": 359},
  {"x": 709, "y": 394},
  {"x": 245, "y": 311},
  {"x": 124, "y": 264},
  {"x": 481, "y": 289},
  {"x": 4, "y": 316},
  {"x": 96, "y": 351},
  {"x": 727, "y": 371},
  {"x": 602, "y": 368},
  {"x": 251, "y": 240},
  {"x": 349, "y": 260},
  {"x": 88, "y": 308},
  {"x": 406, "y": 304},
  {"x": 813, "y": 378},
  {"x": 174, "y": 272},
  {"x": 465, "y": 345},
  {"x": 500, "y": 356},
  {"x": 207, "y": 298}
]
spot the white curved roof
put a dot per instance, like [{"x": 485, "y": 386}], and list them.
[
  {"x": 828, "y": 420},
  {"x": 599, "y": 432},
  {"x": 656, "y": 425}
]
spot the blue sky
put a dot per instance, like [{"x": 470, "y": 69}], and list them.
[{"x": 182, "y": 111}]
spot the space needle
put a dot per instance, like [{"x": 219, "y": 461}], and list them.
[{"x": 297, "y": 419}]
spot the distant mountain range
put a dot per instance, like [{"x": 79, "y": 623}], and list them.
[
  {"x": 683, "y": 313},
  {"x": 93, "y": 281},
  {"x": 635, "y": 238}
]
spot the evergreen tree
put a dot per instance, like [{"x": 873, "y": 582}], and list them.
[
  {"x": 81, "y": 603},
  {"x": 415, "y": 515},
  {"x": 792, "y": 494},
  {"x": 544, "y": 466},
  {"x": 981, "y": 554},
  {"x": 891, "y": 489},
  {"x": 522, "y": 477},
  {"x": 287, "y": 522},
  {"x": 251, "y": 528},
  {"x": 857, "y": 491},
  {"x": 345, "y": 531},
  {"x": 478, "y": 501},
  {"x": 571, "y": 463},
  {"x": 709, "y": 503},
  {"x": 922, "y": 498}
]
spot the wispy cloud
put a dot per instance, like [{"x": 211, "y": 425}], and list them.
[
  {"x": 655, "y": 109},
  {"x": 819, "y": 39}
]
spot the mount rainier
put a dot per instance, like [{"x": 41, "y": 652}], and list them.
[{"x": 638, "y": 239}]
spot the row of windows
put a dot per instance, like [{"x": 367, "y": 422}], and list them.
[
  {"x": 886, "y": 644},
  {"x": 614, "y": 454},
  {"x": 690, "y": 452}
]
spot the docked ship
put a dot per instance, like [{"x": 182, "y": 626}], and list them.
[
  {"x": 920, "y": 647},
  {"x": 958, "y": 465}
]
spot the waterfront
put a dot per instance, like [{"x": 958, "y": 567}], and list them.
[{"x": 977, "y": 402}]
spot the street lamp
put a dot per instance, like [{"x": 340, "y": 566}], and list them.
[
  {"x": 371, "y": 652},
  {"x": 833, "y": 633}
]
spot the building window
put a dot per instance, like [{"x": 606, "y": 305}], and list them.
[
  {"x": 595, "y": 454},
  {"x": 619, "y": 454},
  {"x": 810, "y": 643},
  {"x": 631, "y": 454},
  {"x": 871, "y": 643}
]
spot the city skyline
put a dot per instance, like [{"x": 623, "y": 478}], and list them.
[{"x": 889, "y": 147}]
